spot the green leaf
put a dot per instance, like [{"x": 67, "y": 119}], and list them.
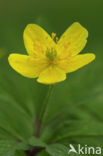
[
  {"x": 36, "y": 142},
  {"x": 12, "y": 117},
  {"x": 18, "y": 103},
  {"x": 70, "y": 129},
  {"x": 23, "y": 146},
  {"x": 7, "y": 147},
  {"x": 43, "y": 153},
  {"x": 11, "y": 147},
  {"x": 20, "y": 153},
  {"x": 57, "y": 150}
]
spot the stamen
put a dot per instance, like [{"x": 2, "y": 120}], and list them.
[
  {"x": 51, "y": 53},
  {"x": 57, "y": 39},
  {"x": 53, "y": 35}
]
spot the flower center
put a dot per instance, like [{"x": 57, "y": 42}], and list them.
[{"x": 51, "y": 53}]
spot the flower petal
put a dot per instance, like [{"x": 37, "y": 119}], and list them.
[
  {"x": 51, "y": 75},
  {"x": 37, "y": 40},
  {"x": 26, "y": 65},
  {"x": 76, "y": 62},
  {"x": 73, "y": 40}
]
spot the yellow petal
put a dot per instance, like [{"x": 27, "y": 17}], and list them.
[
  {"x": 37, "y": 40},
  {"x": 26, "y": 65},
  {"x": 73, "y": 40},
  {"x": 76, "y": 62},
  {"x": 51, "y": 75}
]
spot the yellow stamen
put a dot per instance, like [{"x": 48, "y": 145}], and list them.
[
  {"x": 53, "y": 35},
  {"x": 57, "y": 39}
]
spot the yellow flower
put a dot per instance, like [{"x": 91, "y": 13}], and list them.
[{"x": 51, "y": 59}]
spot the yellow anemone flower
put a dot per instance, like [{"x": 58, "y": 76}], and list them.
[{"x": 51, "y": 59}]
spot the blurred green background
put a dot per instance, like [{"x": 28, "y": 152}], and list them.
[{"x": 75, "y": 113}]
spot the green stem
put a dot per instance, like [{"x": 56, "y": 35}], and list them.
[{"x": 43, "y": 111}]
